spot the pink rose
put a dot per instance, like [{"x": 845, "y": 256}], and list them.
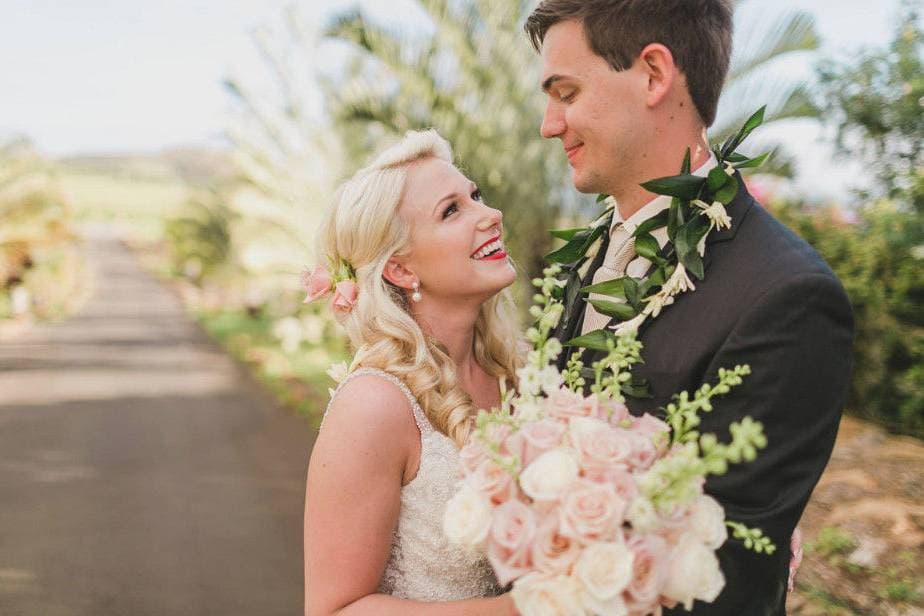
[
  {"x": 643, "y": 453},
  {"x": 492, "y": 481},
  {"x": 601, "y": 450},
  {"x": 344, "y": 296},
  {"x": 623, "y": 482},
  {"x": 498, "y": 433},
  {"x": 653, "y": 428},
  {"x": 316, "y": 283},
  {"x": 564, "y": 403},
  {"x": 591, "y": 511},
  {"x": 513, "y": 529},
  {"x": 648, "y": 572},
  {"x": 534, "y": 439},
  {"x": 613, "y": 412},
  {"x": 553, "y": 552},
  {"x": 472, "y": 455}
]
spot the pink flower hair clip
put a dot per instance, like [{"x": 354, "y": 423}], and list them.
[{"x": 340, "y": 283}]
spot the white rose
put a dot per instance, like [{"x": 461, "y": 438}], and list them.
[
  {"x": 707, "y": 522},
  {"x": 604, "y": 570},
  {"x": 530, "y": 410},
  {"x": 641, "y": 514},
  {"x": 467, "y": 518},
  {"x": 549, "y": 475},
  {"x": 536, "y": 594},
  {"x": 550, "y": 378},
  {"x": 693, "y": 573},
  {"x": 585, "y": 425}
]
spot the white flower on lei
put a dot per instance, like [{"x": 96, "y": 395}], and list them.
[{"x": 716, "y": 213}]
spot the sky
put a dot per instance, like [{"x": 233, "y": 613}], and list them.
[{"x": 119, "y": 76}]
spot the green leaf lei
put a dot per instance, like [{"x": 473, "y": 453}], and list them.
[{"x": 697, "y": 208}]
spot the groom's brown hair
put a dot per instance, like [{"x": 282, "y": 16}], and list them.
[{"x": 698, "y": 33}]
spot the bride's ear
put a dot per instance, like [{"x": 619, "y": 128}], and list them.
[{"x": 398, "y": 275}]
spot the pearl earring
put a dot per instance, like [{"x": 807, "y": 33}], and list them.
[{"x": 415, "y": 296}]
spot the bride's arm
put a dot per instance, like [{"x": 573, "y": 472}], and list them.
[{"x": 354, "y": 486}]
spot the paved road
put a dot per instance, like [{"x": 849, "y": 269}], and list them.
[{"x": 141, "y": 471}]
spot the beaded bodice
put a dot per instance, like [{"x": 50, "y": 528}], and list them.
[{"x": 422, "y": 564}]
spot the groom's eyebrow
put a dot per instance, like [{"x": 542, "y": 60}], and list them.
[{"x": 547, "y": 84}]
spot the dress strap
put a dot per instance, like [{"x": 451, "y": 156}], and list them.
[{"x": 423, "y": 424}]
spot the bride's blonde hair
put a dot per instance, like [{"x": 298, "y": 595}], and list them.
[{"x": 364, "y": 229}]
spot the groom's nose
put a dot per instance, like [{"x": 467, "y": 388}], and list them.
[{"x": 553, "y": 121}]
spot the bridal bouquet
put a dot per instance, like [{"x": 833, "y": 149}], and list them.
[{"x": 585, "y": 508}]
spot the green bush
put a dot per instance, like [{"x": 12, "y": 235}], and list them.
[{"x": 200, "y": 241}]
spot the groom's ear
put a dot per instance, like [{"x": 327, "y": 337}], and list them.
[
  {"x": 658, "y": 63},
  {"x": 397, "y": 274}
]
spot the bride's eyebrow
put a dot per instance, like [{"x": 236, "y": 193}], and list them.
[{"x": 451, "y": 195}]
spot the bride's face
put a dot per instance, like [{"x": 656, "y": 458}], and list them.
[{"x": 456, "y": 247}]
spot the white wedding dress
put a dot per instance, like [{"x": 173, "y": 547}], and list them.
[{"x": 423, "y": 565}]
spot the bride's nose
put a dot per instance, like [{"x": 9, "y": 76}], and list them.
[{"x": 490, "y": 218}]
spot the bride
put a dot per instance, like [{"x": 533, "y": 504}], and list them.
[{"x": 432, "y": 326}]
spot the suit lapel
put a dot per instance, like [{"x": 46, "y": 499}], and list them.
[
  {"x": 737, "y": 210},
  {"x": 572, "y": 326}
]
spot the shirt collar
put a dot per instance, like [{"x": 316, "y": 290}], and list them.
[{"x": 659, "y": 203}]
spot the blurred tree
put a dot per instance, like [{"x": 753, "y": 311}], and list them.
[
  {"x": 41, "y": 269},
  {"x": 876, "y": 102},
  {"x": 287, "y": 160},
  {"x": 474, "y": 78},
  {"x": 765, "y": 37}
]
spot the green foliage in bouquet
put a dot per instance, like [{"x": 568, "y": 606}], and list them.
[{"x": 671, "y": 481}]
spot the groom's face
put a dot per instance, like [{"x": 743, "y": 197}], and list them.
[{"x": 597, "y": 112}]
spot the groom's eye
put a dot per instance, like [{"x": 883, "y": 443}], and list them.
[{"x": 566, "y": 96}]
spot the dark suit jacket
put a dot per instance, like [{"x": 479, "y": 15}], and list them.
[{"x": 768, "y": 300}]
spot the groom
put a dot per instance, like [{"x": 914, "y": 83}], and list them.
[{"x": 632, "y": 84}]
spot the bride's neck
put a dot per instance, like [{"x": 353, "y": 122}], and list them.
[{"x": 454, "y": 328}]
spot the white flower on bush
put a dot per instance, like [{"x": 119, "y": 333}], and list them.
[
  {"x": 467, "y": 519},
  {"x": 289, "y": 332},
  {"x": 536, "y": 594},
  {"x": 693, "y": 573},
  {"x": 604, "y": 570},
  {"x": 707, "y": 522},
  {"x": 549, "y": 475}
]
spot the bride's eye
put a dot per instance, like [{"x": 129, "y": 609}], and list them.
[
  {"x": 450, "y": 209},
  {"x": 476, "y": 195}
]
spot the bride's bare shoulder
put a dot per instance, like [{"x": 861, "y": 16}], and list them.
[{"x": 367, "y": 408}]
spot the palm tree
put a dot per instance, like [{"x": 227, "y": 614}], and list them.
[
  {"x": 474, "y": 78},
  {"x": 754, "y": 78}
]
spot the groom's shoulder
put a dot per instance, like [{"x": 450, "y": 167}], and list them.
[{"x": 767, "y": 248}]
